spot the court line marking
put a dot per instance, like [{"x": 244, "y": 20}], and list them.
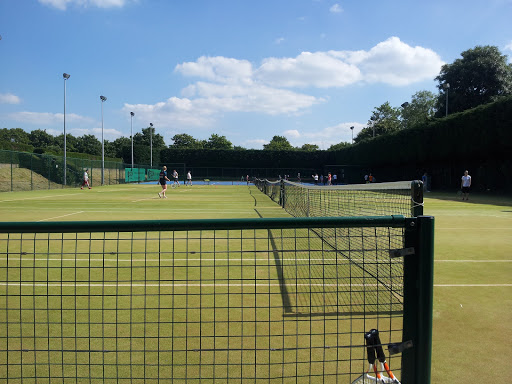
[
  {"x": 40, "y": 197},
  {"x": 58, "y": 217},
  {"x": 17, "y": 284}
]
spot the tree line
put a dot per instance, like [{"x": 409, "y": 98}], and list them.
[{"x": 482, "y": 75}]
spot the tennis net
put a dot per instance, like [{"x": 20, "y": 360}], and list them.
[
  {"x": 379, "y": 199},
  {"x": 230, "y": 301}
]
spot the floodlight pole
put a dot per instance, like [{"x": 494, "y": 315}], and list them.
[
  {"x": 131, "y": 132},
  {"x": 65, "y": 76},
  {"x": 151, "y": 143},
  {"x": 352, "y": 129},
  {"x": 103, "y": 99},
  {"x": 446, "y": 87}
]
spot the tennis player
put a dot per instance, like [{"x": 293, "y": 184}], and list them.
[
  {"x": 163, "y": 182},
  {"x": 465, "y": 184},
  {"x": 86, "y": 179},
  {"x": 175, "y": 176},
  {"x": 189, "y": 178}
]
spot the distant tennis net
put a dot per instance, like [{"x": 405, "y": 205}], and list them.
[{"x": 302, "y": 200}]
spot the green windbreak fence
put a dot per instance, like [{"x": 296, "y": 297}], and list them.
[
  {"x": 153, "y": 174},
  {"x": 233, "y": 301},
  {"x": 135, "y": 175},
  {"x": 23, "y": 171}
]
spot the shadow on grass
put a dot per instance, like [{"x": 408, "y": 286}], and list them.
[{"x": 474, "y": 198}]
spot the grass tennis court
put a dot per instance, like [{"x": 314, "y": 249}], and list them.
[{"x": 473, "y": 265}]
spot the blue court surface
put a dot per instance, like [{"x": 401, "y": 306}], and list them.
[{"x": 204, "y": 182}]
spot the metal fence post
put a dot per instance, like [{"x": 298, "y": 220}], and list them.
[{"x": 418, "y": 300}]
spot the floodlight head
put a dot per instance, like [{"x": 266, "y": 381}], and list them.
[
  {"x": 352, "y": 127},
  {"x": 150, "y": 124},
  {"x": 405, "y": 104},
  {"x": 103, "y": 98},
  {"x": 65, "y": 76},
  {"x": 131, "y": 113},
  {"x": 446, "y": 85}
]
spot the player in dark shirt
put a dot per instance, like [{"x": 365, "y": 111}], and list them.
[{"x": 163, "y": 182}]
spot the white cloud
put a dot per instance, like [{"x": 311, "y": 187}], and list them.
[
  {"x": 395, "y": 63},
  {"x": 220, "y": 69},
  {"x": 206, "y": 101},
  {"x": 46, "y": 118},
  {"x": 325, "y": 137},
  {"x": 336, "y": 9},
  {"x": 509, "y": 46},
  {"x": 62, "y": 4},
  {"x": 320, "y": 69},
  {"x": 227, "y": 85},
  {"x": 9, "y": 98},
  {"x": 279, "y": 40},
  {"x": 392, "y": 62},
  {"x": 293, "y": 133}
]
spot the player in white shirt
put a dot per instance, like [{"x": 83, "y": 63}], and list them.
[
  {"x": 86, "y": 180},
  {"x": 465, "y": 185}
]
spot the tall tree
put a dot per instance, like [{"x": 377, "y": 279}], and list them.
[
  {"x": 338, "y": 146},
  {"x": 144, "y": 138},
  {"x": 310, "y": 147},
  {"x": 115, "y": 148},
  {"x": 421, "y": 108},
  {"x": 384, "y": 120},
  {"x": 185, "y": 141},
  {"x": 71, "y": 142},
  {"x": 88, "y": 144},
  {"x": 480, "y": 76},
  {"x": 15, "y": 135},
  {"x": 278, "y": 143},
  {"x": 218, "y": 142},
  {"x": 41, "y": 139}
]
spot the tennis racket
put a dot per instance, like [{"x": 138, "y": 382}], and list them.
[
  {"x": 370, "y": 351},
  {"x": 382, "y": 358}
]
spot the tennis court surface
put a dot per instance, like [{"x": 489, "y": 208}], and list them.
[{"x": 225, "y": 300}]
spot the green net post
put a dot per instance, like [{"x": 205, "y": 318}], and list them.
[
  {"x": 418, "y": 300},
  {"x": 416, "y": 198}
]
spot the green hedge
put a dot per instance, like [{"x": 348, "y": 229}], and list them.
[{"x": 251, "y": 158}]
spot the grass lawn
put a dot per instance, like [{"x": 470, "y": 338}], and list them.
[{"x": 473, "y": 262}]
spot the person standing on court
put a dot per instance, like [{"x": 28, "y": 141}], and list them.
[
  {"x": 163, "y": 182},
  {"x": 189, "y": 178},
  {"x": 86, "y": 179},
  {"x": 465, "y": 185}
]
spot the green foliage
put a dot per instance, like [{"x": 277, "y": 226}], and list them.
[
  {"x": 144, "y": 138},
  {"x": 88, "y": 144},
  {"x": 337, "y": 147},
  {"x": 479, "y": 77},
  {"x": 185, "y": 141},
  {"x": 384, "y": 120},
  {"x": 14, "y": 135},
  {"x": 310, "y": 147},
  {"x": 420, "y": 109},
  {"x": 218, "y": 142},
  {"x": 13, "y": 146},
  {"x": 41, "y": 139},
  {"x": 278, "y": 143},
  {"x": 478, "y": 135}
]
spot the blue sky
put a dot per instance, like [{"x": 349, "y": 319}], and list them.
[{"x": 249, "y": 70}]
